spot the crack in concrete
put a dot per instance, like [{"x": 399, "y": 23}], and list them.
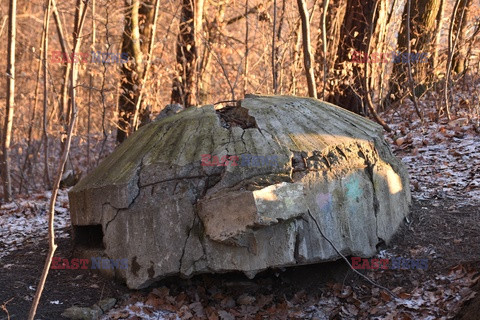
[
  {"x": 137, "y": 175},
  {"x": 186, "y": 242}
]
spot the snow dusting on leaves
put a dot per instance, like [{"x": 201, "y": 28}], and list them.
[
  {"x": 443, "y": 158},
  {"x": 26, "y": 220}
]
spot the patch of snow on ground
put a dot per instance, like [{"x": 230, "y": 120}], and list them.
[
  {"x": 443, "y": 159},
  {"x": 141, "y": 310},
  {"x": 26, "y": 219}
]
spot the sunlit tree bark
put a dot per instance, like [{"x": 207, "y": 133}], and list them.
[
  {"x": 10, "y": 105},
  {"x": 136, "y": 37}
]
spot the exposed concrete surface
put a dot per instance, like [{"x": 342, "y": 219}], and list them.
[{"x": 169, "y": 215}]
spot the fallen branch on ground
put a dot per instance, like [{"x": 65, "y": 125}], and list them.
[{"x": 348, "y": 262}]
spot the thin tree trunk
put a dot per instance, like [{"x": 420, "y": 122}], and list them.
[
  {"x": 245, "y": 59},
  {"x": 452, "y": 42},
  {"x": 147, "y": 66},
  {"x": 90, "y": 89},
  {"x": 66, "y": 67},
  {"x": 324, "y": 46},
  {"x": 198, "y": 25},
  {"x": 460, "y": 56},
  {"x": 31, "y": 149},
  {"x": 423, "y": 34},
  {"x": 215, "y": 28},
  {"x": 10, "y": 105},
  {"x": 367, "y": 77},
  {"x": 45, "y": 96},
  {"x": 438, "y": 33},
  {"x": 307, "y": 51},
  {"x": 409, "y": 54},
  {"x": 186, "y": 52},
  {"x": 51, "y": 234},
  {"x": 274, "y": 50},
  {"x": 278, "y": 66},
  {"x": 136, "y": 38}
]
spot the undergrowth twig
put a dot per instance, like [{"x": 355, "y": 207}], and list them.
[{"x": 348, "y": 262}]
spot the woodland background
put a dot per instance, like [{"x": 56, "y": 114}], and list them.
[
  {"x": 206, "y": 51},
  {"x": 67, "y": 103}
]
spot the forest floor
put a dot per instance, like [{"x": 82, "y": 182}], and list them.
[{"x": 444, "y": 163}]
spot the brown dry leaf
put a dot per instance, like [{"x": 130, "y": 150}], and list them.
[
  {"x": 135, "y": 308},
  {"x": 298, "y": 297},
  {"x": 185, "y": 313},
  {"x": 245, "y": 299},
  {"x": 197, "y": 308},
  {"x": 404, "y": 316},
  {"x": 385, "y": 296},
  {"x": 120, "y": 315},
  {"x": 147, "y": 310},
  {"x": 264, "y": 300},
  {"x": 180, "y": 299},
  {"x": 227, "y": 303},
  {"x": 161, "y": 292},
  {"x": 211, "y": 313},
  {"x": 154, "y": 301}
]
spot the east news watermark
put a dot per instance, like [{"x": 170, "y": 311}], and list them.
[
  {"x": 88, "y": 57},
  {"x": 393, "y": 263},
  {"x": 386, "y": 57},
  {"x": 94, "y": 263}
]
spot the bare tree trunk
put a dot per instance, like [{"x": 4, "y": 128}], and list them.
[
  {"x": 324, "y": 46},
  {"x": 212, "y": 30},
  {"x": 245, "y": 58},
  {"x": 423, "y": 34},
  {"x": 307, "y": 48},
  {"x": 10, "y": 105},
  {"x": 438, "y": 33},
  {"x": 461, "y": 24},
  {"x": 334, "y": 14},
  {"x": 81, "y": 9},
  {"x": 30, "y": 150},
  {"x": 90, "y": 89},
  {"x": 152, "y": 32},
  {"x": 66, "y": 67},
  {"x": 274, "y": 48},
  {"x": 292, "y": 88},
  {"x": 199, "y": 39},
  {"x": 367, "y": 77},
  {"x": 186, "y": 53},
  {"x": 278, "y": 52},
  {"x": 45, "y": 95},
  {"x": 136, "y": 38},
  {"x": 411, "y": 82},
  {"x": 452, "y": 43}
]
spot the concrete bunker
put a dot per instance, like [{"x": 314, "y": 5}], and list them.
[{"x": 176, "y": 199}]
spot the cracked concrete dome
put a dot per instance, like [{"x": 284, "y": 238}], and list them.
[{"x": 154, "y": 202}]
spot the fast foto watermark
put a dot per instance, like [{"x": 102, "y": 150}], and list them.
[
  {"x": 394, "y": 263},
  {"x": 386, "y": 57},
  {"x": 244, "y": 160},
  {"x": 94, "y": 262},
  {"x": 88, "y": 57}
]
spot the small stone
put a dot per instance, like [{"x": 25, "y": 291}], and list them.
[
  {"x": 81, "y": 313},
  {"x": 107, "y": 304},
  {"x": 245, "y": 299}
]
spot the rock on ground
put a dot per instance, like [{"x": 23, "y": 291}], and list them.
[{"x": 152, "y": 202}]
